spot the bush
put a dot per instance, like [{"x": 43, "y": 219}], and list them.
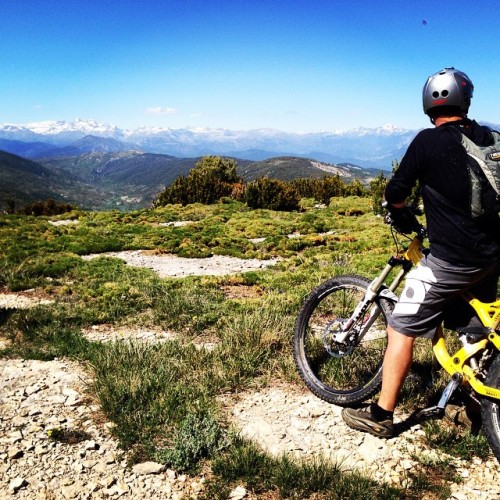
[
  {"x": 377, "y": 188},
  {"x": 329, "y": 186},
  {"x": 272, "y": 194},
  {"x": 47, "y": 207},
  {"x": 199, "y": 435},
  {"x": 211, "y": 179}
]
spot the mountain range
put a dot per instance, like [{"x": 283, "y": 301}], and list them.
[
  {"x": 99, "y": 166},
  {"x": 366, "y": 147},
  {"x": 370, "y": 148}
]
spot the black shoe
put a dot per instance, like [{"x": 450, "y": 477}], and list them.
[{"x": 363, "y": 420}]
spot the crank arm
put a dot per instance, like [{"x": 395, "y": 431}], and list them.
[{"x": 438, "y": 410}]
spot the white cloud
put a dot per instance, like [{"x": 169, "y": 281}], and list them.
[{"x": 158, "y": 110}]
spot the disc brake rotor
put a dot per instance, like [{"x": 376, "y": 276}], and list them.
[{"x": 339, "y": 349}]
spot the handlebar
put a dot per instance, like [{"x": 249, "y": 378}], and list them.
[
  {"x": 404, "y": 221},
  {"x": 420, "y": 233}
]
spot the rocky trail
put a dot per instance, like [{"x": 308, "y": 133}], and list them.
[{"x": 55, "y": 442}]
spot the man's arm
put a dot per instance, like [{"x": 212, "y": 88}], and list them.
[{"x": 402, "y": 217}]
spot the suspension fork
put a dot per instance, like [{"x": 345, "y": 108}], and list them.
[{"x": 376, "y": 287}]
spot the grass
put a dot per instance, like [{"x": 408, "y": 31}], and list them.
[
  {"x": 456, "y": 441},
  {"x": 163, "y": 398},
  {"x": 288, "y": 478},
  {"x": 159, "y": 409}
]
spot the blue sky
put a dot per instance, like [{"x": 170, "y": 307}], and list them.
[{"x": 297, "y": 66}]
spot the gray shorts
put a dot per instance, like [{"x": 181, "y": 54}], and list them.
[{"x": 432, "y": 295}]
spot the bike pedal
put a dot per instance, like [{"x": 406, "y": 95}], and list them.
[{"x": 432, "y": 412}]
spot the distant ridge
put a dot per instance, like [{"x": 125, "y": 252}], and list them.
[
  {"x": 371, "y": 148},
  {"x": 23, "y": 181},
  {"x": 88, "y": 144},
  {"x": 132, "y": 179},
  {"x": 288, "y": 168}
]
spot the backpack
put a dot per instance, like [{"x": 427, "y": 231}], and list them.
[
  {"x": 487, "y": 158},
  {"x": 484, "y": 174}
]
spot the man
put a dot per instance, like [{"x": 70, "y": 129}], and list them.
[{"x": 464, "y": 247}]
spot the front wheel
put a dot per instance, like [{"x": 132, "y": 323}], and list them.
[
  {"x": 490, "y": 408},
  {"x": 347, "y": 373}
]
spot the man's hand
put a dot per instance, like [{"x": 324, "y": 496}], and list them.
[{"x": 402, "y": 219}]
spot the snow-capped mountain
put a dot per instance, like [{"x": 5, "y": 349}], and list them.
[
  {"x": 366, "y": 147},
  {"x": 59, "y": 132}
]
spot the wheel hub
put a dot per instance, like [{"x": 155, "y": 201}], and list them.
[{"x": 339, "y": 349}]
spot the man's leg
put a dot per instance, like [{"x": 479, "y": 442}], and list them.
[
  {"x": 397, "y": 362},
  {"x": 377, "y": 418}
]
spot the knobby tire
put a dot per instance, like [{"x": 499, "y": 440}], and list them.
[
  {"x": 490, "y": 408},
  {"x": 350, "y": 378}
]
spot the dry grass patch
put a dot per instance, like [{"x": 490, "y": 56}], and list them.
[{"x": 242, "y": 291}]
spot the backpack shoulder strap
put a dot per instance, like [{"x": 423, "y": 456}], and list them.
[{"x": 487, "y": 157}]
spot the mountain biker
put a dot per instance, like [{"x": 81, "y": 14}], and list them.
[{"x": 464, "y": 250}]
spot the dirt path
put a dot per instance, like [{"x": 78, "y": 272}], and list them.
[
  {"x": 37, "y": 397},
  {"x": 174, "y": 266}
]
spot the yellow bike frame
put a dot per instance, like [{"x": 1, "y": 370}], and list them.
[{"x": 456, "y": 365}]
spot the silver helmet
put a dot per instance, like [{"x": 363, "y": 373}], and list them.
[{"x": 448, "y": 87}]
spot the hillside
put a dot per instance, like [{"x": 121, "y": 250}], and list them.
[
  {"x": 181, "y": 331},
  {"x": 23, "y": 181},
  {"x": 287, "y": 168},
  {"x": 29, "y": 150},
  {"x": 88, "y": 144},
  {"x": 135, "y": 177},
  {"x": 132, "y": 179}
]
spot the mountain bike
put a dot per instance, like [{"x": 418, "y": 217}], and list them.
[{"x": 340, "y": 338}]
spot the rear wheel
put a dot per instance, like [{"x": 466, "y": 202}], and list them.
[
  {"x": 490, "y": 408},
  {"x": 347, "y": 373}
]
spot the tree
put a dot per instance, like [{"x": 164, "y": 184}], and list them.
[
  {"x": 272, "y": 194},
  {"x": 377, "y": 188},
  {"x": 355, "y": 188},
  {"x": 212, "y": 178},
  {"x": 46, "y": 207},
  {"x": 11, "y": 206},
  {"x": 378, "y": 185}
]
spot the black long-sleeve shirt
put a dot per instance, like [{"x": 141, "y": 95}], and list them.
[{"x": 437, "y": 159}]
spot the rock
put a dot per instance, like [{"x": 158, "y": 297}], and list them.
[
  {"x": 88, "y": 469},
  {"x": 172, "y": 265},
  {"x": 407, "y": 464},
  {"x": 17, "y": 483},
  {"x": 238, "y": 493},
  {"x": 171, "y": 474},
  {"x": 16, "y": 436},
  {"x": 148, "y": 468},
  {"x": 117, "y": 490},
  {"x": 15, "y": 453},
  {"x": 372, "y": 449},
  {"x": 91, "y": 445},
  {"x": 315, "y": 428}
]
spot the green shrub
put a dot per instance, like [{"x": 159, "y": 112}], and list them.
[
  {"x": 212, "y": 178},
  {"x": 329, "y": 186},
  {"x": 198, "y": 436},
  {"x": 47, "y": 207},
  {"x": 272, "y": 194},
  {"x": 377, "y": 187}
]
